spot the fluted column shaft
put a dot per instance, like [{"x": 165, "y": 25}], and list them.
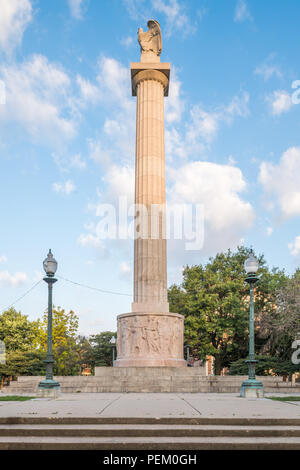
[{"x": 150, "y": 263}]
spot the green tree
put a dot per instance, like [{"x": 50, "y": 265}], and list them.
[
  {"x": 266, "y": 365},
  {"x": 214, "y": 300},
  {"x": 64, "y": 330},
  {"x": 102, "y": 348},
  {"x": 17, "y": 332},
  {"x": 84, "y": 351},
  {"x": 24, "y": 363},
  {"x": 281, "y": 326}
]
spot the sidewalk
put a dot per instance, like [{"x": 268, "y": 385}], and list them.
[{"x": 151, "y": 405}]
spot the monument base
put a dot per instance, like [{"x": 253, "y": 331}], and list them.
[
  {"x": 144, "y": 362},
  {"x": 150, "y": 339}
]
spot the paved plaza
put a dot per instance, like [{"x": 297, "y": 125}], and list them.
[{"x": 152, "y": 405}]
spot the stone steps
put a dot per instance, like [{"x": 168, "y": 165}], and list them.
[
  {"x": 151, "y": 380},
  {"x": 148, "y": 433},
  {"x": 109, "y": 430}
]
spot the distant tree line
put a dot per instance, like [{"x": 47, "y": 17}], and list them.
[{"x": 26, "y": 344}]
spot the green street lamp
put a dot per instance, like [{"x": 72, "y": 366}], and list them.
[
  {"x": 113, "y": 344},
  {"x": 49, "y": 387},
  {"x": 187, "y": 348},
  {"x": 251, "y": 388}
]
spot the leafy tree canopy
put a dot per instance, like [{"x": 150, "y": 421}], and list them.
[
  {"x": 214, "y": 300},
  {"x": 102, "y": 348},
  {"x": 17, "y": 332},
  {"x": 64, "y": 332}
]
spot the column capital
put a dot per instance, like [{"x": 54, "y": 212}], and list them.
[{"x": 157, "y": 71}]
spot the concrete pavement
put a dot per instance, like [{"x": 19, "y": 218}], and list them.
[{"x": 151, "y": 405}]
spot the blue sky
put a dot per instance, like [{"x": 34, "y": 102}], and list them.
[{"x": 67, "y": 134}]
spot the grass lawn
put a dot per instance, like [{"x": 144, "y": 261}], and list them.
[
  {"x": 15, "y": 398},
  {"x": 295, "y": 398}
]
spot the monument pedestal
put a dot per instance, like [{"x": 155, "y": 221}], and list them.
[{"x": 150, "y": 340}]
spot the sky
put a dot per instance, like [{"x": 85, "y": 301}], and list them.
[{"x": 67, "y": 138}]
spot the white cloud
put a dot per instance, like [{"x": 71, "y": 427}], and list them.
[
  {"x": 133, "y": 8},
  {"x": 282, "y": 181},
  {"x": 242, "y": 12},
  {"x": 203, "y": 124},
  {"x": 77, "y": 8},
  {"x": 237, "y": 107},
  {"x": 98, "y": 153},
  {"x": 269, "y": 231},
  {"x": 294, "y": 247},
  {"x": 66, "y": 188},
  {"x": 217, "y": 187},
  {"x": 227, "y": 217},
  {"x": 14, "y": 18},
  {"x": 88, "y": 91},
  {"x": 77, "y": 162},
  {"x": 90, "y": 240},
  {"x": 174, "y": 105},
  {"x": 126, "y": 42},
  {"x": 67, "y": 162},
  {"x": 113, "y": 80},
  {"x": 117, "y": 136},
  {"x": 268, "y": 70},
  {"x": 120, "y": 182},
  {"x": 7, "y": 279},
  {"x": 176, "y": 18},
  {"x": 37, "y": 97},
  {"x": 202, "y": 127},
  {"x": 125, "y": 270},
  {"x": 280, "y": 102},
  {"x": 3, "y": 259},
  {"x": 231, "y": 160}
]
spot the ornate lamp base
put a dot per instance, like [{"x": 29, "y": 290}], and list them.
[
  {"x": 48, "y": 389},
  {"x": 252, "y": 388}
]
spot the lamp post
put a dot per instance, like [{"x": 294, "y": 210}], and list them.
[
  {"x": 187, "y": 347},
  {"x": 113, "y": 343},
  {"x": 49, "y": 387},
  {"x": 251, "y": 387}
]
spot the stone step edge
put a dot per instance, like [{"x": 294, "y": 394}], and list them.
[
  {"x": 146, "y": 432},
  {"x": 148, "y": 420},
  {"x": 153, "y": 444}
]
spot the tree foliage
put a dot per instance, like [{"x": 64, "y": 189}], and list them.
[
  {"x": 64, "y": 332},
  {"x": 24, "y": 363},
  {"x": 266, "y": 365},
  {"x": 214, "y": 300},
  {"x": 281, "y": 326},
  {"x": 26, "y": 344},
  {"x": 102, "y": 348},
  {"x": 17, "y": 332}
]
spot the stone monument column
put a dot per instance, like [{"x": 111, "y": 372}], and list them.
[{"x": 150, "y": 335}]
